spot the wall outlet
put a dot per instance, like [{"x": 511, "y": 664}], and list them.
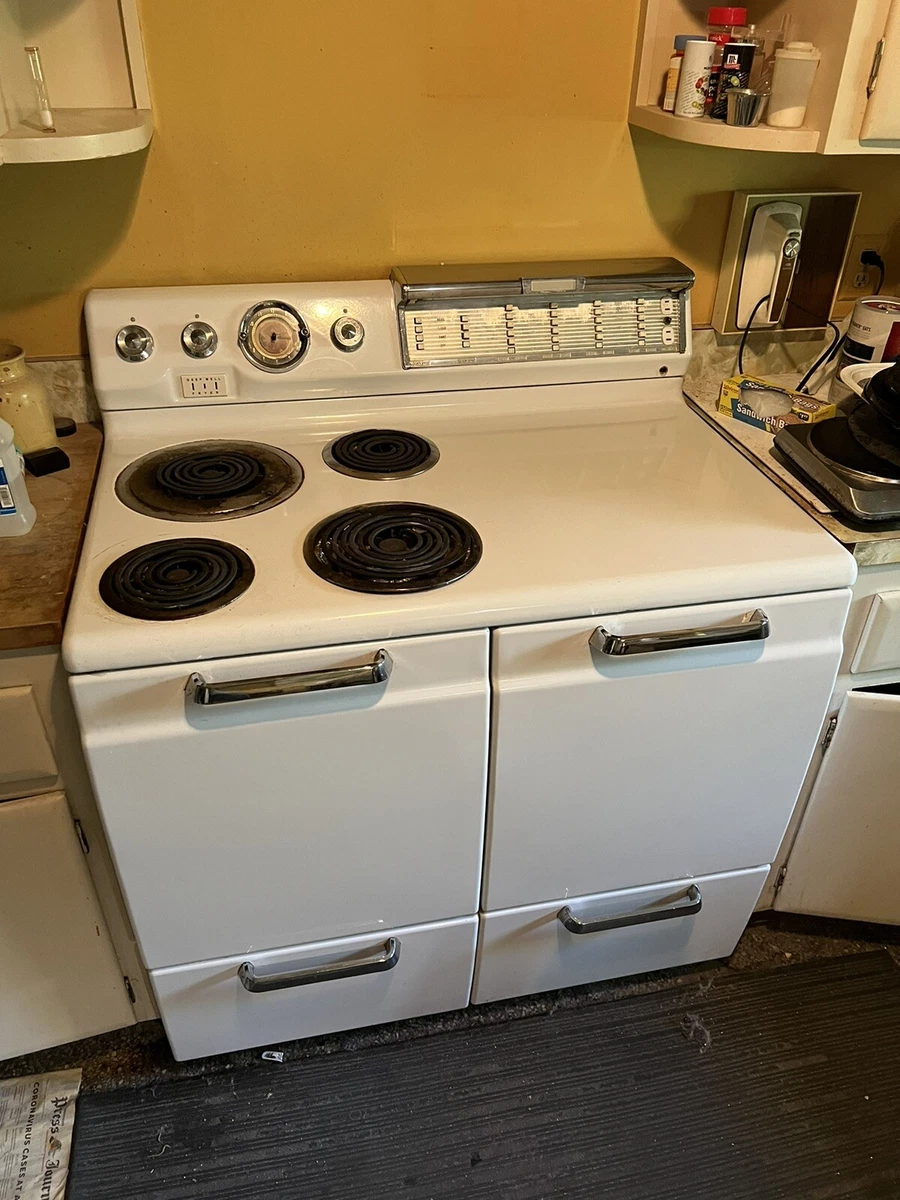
[
  {"x": 859, "y": 280},
  {"x": 203, "y": 386}
]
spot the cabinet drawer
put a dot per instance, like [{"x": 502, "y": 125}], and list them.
[
  {"x": 206, "y": 1008},
  {"x": 525, "y": 950}
]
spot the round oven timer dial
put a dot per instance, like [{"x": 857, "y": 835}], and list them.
[{"x": 273, "y": 336}]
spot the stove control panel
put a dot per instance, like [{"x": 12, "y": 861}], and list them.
[
  {"x": 178, "y": 347},
  {"x": 525, "y": 312},
  {"x": 553, "y": 329}
]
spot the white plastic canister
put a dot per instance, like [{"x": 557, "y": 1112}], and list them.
[{"x": 795, "y": 69}]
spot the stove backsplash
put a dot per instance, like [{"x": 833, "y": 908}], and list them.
[{"x": 68, "y": 380}]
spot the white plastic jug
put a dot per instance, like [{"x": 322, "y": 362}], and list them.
[{"x": 16, "y": 510}]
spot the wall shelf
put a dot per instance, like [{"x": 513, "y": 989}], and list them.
[
  {"x": 846, "y": 31},
  {"x": 80, "y": 133},
  {"x": 93, "y": 60},
  {"x": 704, "y": 131}
]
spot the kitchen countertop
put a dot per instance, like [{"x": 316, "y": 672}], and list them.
[
  {"x": 869, "y": 547},
  {"x": 37, "y": 570}
]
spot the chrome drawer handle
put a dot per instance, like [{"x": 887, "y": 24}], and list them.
[
  {"x": 384, "y": 960},
  {"x": 203, "y": 692},
  {"x": 690, "y": 904},
  {"x": 751, "y": 627}
]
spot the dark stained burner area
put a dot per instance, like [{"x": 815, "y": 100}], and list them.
[
  {"x": 182, "y": 577},
  {"x": 209, "y": 481},
  {"x": 213, "y": 475},
  {"x": 392, "y": 548},
  {"x": 381, "y": 454}
]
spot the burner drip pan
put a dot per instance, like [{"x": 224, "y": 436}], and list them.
[
  {"x": 392, "y": 548},
  {"x": 181, "y": 577},
  {"x": 381, "y": 454},
  {"x": 209, "y": 481}
]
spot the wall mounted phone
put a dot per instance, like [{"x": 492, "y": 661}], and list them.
[
  {"x": 790, "y": 246},
  {"x": 770, "y": 262}
]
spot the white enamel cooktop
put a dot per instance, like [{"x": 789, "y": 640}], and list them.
[{"x": 589, "y": 498}]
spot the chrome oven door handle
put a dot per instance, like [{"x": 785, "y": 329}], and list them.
[
  {"x": 751, "y": 627},
  {"x": 385, "y": 959},
  {"x": 201, "y": 691},
  {"x": 687, "y": 906}
]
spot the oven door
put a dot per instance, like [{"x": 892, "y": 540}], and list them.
[
  {"x": 641, "y": 747},
  {"x": 278, "y": 799}
]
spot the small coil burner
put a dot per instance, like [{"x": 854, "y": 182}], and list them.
[
  {"x": 381, "y": 454},
  {"x": 209, "y": 481},
  {"x": 392, "y": 548},
  {"x": 182, "y": 577}
]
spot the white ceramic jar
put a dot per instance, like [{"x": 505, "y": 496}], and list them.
[
  {"x": 795, "y": 69},
  {"x": 24, "y": 402}
]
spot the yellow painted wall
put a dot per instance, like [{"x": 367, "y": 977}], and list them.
[{"x": 314, "y": 140}]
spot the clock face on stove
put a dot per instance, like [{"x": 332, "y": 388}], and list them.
[{"x": 273, "y": 336}]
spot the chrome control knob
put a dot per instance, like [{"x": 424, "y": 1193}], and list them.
[
  {"x": 348, "y": 333},
  {"x": 199, "y": 339},
  {"x": 134, "y": 343}
]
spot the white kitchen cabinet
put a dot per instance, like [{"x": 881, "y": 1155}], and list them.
[
  {"x": 846, "y": 113},
  {"x": 845, "y": 861},
  {"x": 42, "y": 747},
  {"x": 881, "y": 120},
  {"x": 27, "y": 765},
  {"x": 618, "y": 772},
  {"x": 61, "y": 979}
]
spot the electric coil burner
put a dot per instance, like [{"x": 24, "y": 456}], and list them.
[
  {"x": 182, "y": 577},
  {"x": 381, "y": 454},
  {"x": 209, "y": 481},
  {"x": 392, "y": 548}
]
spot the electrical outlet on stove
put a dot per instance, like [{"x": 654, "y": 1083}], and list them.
[{"x": 203, "y": 386}]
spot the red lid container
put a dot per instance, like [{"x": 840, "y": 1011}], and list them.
[{"x": 727, "y": 15}]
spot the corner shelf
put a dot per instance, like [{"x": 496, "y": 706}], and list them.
[
  {"x": 704, "y": 131},
  {"x": 94, "y": 62},
  {"x": 80, "y": 133}
]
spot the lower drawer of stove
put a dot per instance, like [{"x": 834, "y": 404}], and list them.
[
  {"x": 525, "y": 950},
  {"x": 206, "y": 1009}
]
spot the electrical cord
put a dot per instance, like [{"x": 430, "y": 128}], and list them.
[
  {"x": 743, "y": 344},
  {"x": 833, "y": 347},
  {"x": 871, "y": 258}
]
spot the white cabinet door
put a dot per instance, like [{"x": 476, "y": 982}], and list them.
[
  {"x": 845, "y": 861},
  {"x": 614, "y": 772},
  {"x": 881, "y": 123},
  {"x": 260, "y": 823},
  {"x": 27, "y": 764},
  {"x": 60, "y": 977}
]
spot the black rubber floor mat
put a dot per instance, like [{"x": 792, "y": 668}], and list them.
[{"x": 777, "y": 1083}]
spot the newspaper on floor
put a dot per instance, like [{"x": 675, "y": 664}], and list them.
[{"x": 37, "y": 1113}]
